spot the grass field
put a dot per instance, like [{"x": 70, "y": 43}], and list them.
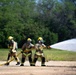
[{"x": 50, "y": 54}]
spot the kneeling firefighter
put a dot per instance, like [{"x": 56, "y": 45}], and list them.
[
  {"x": 39, "y": 52},
  {"x": 27, "y": 52}
]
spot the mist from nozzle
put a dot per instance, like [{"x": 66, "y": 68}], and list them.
[{"x": 69, "y": 45}]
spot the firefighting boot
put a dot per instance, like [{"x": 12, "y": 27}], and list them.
[
  {"x": 6, "y": 64},
  {"x": 43, "y": 61},
  {"x": 22, "y": 64},
  {"x": 43, "y": 65},
  {"x": 18, "y": 63},
  {"x": 34, "y": 61}
]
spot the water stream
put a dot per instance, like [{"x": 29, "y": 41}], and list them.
[{"x": 69, "y": 45}]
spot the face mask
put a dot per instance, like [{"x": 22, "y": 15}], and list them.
[
  {"x": 28, "y": 42},
  {"x": 40, "y": 42}
]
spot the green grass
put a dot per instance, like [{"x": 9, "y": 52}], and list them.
[
  {"x": 60, "y": 55},
  {"x": 50, "y": 54},
  {"x": 3, "y": 54}
]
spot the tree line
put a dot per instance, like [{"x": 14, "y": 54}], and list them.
[{"x": 54, "y": 20}]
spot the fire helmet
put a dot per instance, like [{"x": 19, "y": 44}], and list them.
[
  {"x": 10, "y": 38},
  {"x": 29, "y": 39},
  {"x": 40, "y": 38}
]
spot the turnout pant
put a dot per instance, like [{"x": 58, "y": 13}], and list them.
[
  {"x": 42, "y": 59},
  {"x": 24, "y": 55},
  {"x": 14, "y": 55}
]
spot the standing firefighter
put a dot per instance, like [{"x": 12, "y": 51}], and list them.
[
  {"x": 39, "y": 52},
  {"x": 26, "y": 51},
  {"x": 12, "y": 45}
]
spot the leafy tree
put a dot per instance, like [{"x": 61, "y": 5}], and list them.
[{"x": 54, "y": 20}]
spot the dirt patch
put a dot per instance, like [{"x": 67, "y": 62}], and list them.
[{"x": 52, "y": 68}]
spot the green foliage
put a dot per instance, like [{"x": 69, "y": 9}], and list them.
[{"x": 53, "y": 20}]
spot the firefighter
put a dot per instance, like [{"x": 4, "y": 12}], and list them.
[
  {"x": 26, "y": 52},
  {"x": 39, "y": 52},
  {"x": 12, "y": 45}
]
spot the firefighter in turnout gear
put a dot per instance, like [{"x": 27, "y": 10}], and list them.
[
  {"x": 12, "y": 45},
  {"x": 39, "y": 52},
  {"x": 27, "y": 52}
]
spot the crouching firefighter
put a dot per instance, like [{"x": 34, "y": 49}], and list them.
[
  {"x": 27, "y": 52},
  {"x": 39, "y": 52},
  {"x": 12, "y": 45}
]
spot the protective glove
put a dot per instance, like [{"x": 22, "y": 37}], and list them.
[
  {"x": 21, "y": 51},
  {"x": 13, "y": 50}
]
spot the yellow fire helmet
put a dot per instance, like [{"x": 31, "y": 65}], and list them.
[
  {"x": 10, "y": 38},
  {"x": 29, "y": 39},
  {"x": 40, "y": 38}
]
